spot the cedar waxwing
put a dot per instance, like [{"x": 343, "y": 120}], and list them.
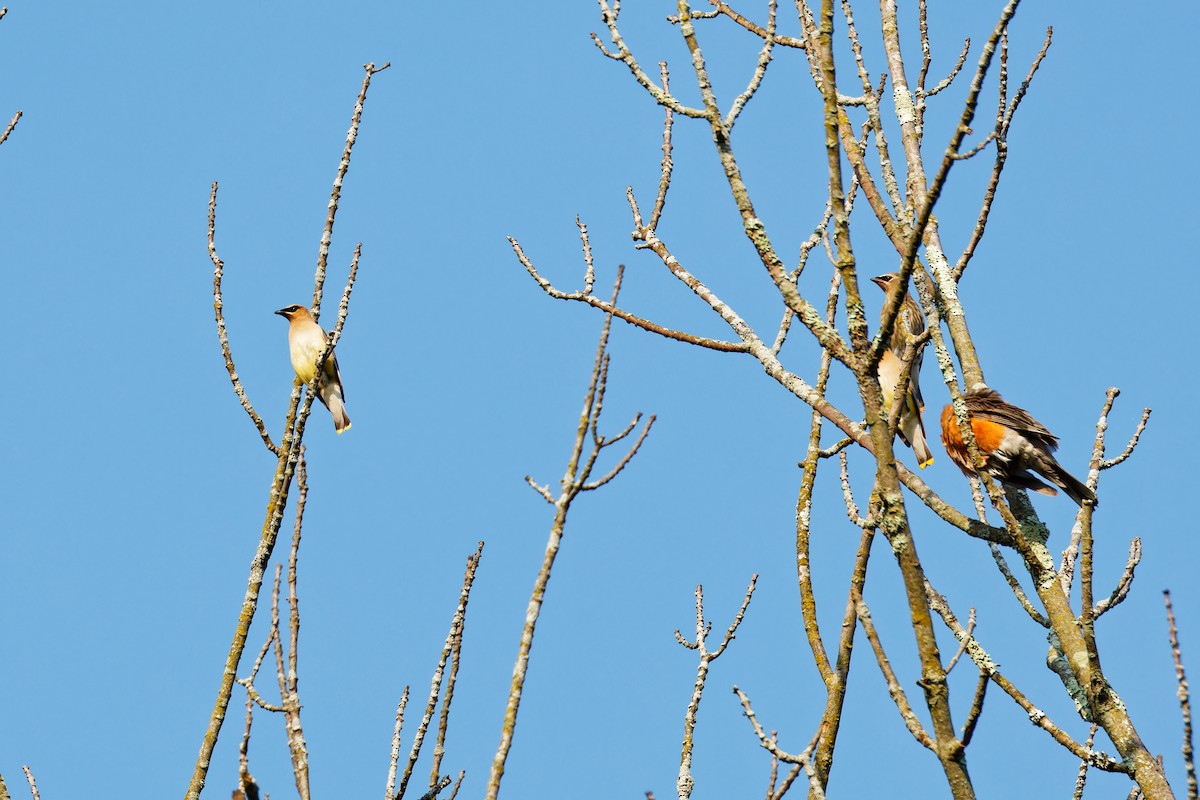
[
  {"x": 1011, "y": 443},
  {"x": 306, "y": 341},
  {"x": 909, "y": 322}
]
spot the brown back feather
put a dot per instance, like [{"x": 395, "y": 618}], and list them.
[{"x": 987, "y": 404}]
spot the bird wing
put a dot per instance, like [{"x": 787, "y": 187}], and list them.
[
  {"x": 338, "y": 374},
  {"x": 987, "y": 404}
]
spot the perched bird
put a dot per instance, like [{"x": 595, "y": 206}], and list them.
[
  {"x": 909, "y": 322},
  {"x": 1011, "y": 443},
  {"x": 306, "y": 341}
]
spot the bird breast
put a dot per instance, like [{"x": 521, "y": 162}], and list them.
[{"x": 306, "y": 345}]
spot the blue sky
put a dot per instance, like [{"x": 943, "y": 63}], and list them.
[{"x": 136, "y": 484}]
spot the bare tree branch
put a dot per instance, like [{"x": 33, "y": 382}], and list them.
[
  {"x": 1185, "y": 704},
  {"x": 574, "y": 481},
  {"x": 685, "y": 782}
]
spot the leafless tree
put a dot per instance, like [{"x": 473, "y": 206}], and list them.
[{"x": 900, "y": 188}]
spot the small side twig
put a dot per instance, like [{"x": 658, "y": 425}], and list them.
[
  {"x": 962, "y": 646},
  {"x": 1121, "y": 590},
  {"x": 1133, "y": 442},
  {"x": 870, "y": 521}
]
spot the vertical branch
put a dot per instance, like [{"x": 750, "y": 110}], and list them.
[
  {"x": 287, "y": 457},
  {"x": 33, "y": 783},
  {"x": 335, "y": 195},
  {"x": 574, "y": 481},
  {"x": 856, "y": 319},
  {"x": 460, "y": 620},
  {"x": 808, "y": 600},
  {"x": 685, "y": 782},
  {"x": 389, "y": 792},
  {"x": 289, "y": 688},
  {"x": 664, "y": 181},
  {"x": 453, "y": 643},
  {"x": 1081, "y": 777},
  {"x": 33, "y": 790},
  {"x": 1185, "y": 705}
]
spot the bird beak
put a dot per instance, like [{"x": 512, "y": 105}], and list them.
[
  {"x": 283, "y": 311},
  {"x": 879, "y": 280}
]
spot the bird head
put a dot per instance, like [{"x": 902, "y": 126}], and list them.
[
  {"x": 886, "y": 281},
  {"x": 292, "y": 312}
]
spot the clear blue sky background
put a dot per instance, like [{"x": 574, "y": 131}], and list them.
[{"x": 136, "y": 485}]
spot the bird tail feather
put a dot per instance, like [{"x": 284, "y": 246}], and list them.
[
  {"x": 331, "y": 396},
  {"x": 341, "y": 420},
  {"x": 1075, "y": 489},
  {"x": 912, "y": 431}
]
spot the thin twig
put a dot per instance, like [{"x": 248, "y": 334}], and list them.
[
  {"x": 802, "y": 759},
  {"x": 1121, "y": 590},
  {"x": 664, "y": 180},
  {"x": 336, "y": 194},
  {"x": 574, "y": 481},
  {"x": 1133, "y": 442},
  {"x": 1037, "y": 716},
  {"x": 32, "y": 783},
  {"x": 894, "y": 689},
  {"x": 389, "y": 792},
  {"x": 620, "y": 313},
  {"x": 1185, "y": 705},
  {"x": 12, "y": 123},
  {"x": 1081, "y": 777},
  {"x": 222, "y": 334},
  {"x": 460, "y": 619},
  {"x": 962, "y": 646},
  {"x": 457, "y": 623},
  {"x": 976, "y": 709},
  {"x": 685, "y": 782}
]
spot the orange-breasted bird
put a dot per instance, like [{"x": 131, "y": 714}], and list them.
[
  {"x": 306, "y": 342},
  {"x": 909, "y": 322},
  {"x": 1011, "y": 443}
]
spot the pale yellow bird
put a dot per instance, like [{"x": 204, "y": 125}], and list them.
[
  {"x": 909, "y": 322},
  {"x": 306, "y": 342}
]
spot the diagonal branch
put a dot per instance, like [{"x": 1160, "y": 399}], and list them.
[
  {"x": 222, "y": 334},
  {"x": 12, "y": 124}
]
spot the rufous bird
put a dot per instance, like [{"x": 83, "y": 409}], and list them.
[
  {"x": 306, "y": 342},
  {"x": 909, "y": 322},
  {"x": 1011, "y": 443}
]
